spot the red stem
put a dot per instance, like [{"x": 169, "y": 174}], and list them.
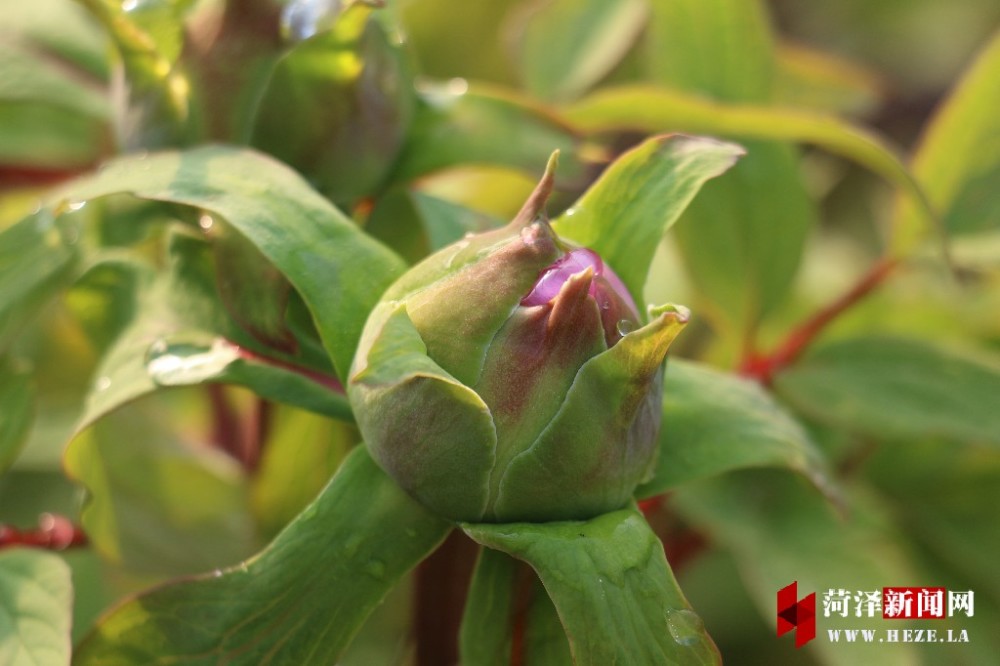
[
  {"x": 763, "y": 367},
  {"x": 54, "y": 532}
]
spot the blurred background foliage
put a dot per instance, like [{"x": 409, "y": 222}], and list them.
[{"x": 425, "y": 119}]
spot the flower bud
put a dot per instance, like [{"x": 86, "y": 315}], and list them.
[{"x": 509, "y": 377}]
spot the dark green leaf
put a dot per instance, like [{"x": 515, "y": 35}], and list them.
[
  {"x": 714, "y": 422},
  {"x": 624, "y": 215},
  {"x": 898, "y": 388},
  {"x": 36, "y": 603},
  {"x": 254, "y": 292},
  {"x": 455, "y": 126},
  {"x": 416, "y": 224},
  {"x": 17, "y": 409},
  {"x": 298, "y": 602},
  {"x": 339, "y": 271},
  {"x": 611, "y": 586},
  {"x": 958, "y": 160},
  {"x": 566, "y": 46},
  {"x": 780, "y": 530}
]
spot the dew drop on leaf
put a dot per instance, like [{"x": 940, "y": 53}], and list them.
[{"x": 685, "y": 626}]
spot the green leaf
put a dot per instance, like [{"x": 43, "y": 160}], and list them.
[
  {"x": 61, "y": 28},
  {"x": 722, "y": 48},
  {"x": 807, "y": 78},
  {"x": 897, "y": 388},
  {"x": 611, "y": 586},
  {"x": 505, "y": 597},
  {"x": 302, "y": 452},
  {"x": 54, "y": 110},
  {"x": 158, "y": 103},
  {"x": 958, "y": 159},
  {"x": 454, "y": 126},
  {"x": 17, "y": 397},
  {"x": 566, "y": 46},
  {"x": 300, "y": 601},
  {"x": 653, "y": 109},
  {"x": 416, "y": 224},
  {"x": 336, "y": 107},
  {"x": 339, "y": 271},
  {"x": 625, "y": 213},
  {"x": 36, "y": 261},
  {"x": 158, "y": 504},
  {"x": 780, "y": 530},
  {"x": 714, "y": 422},
  {"x": 254, "y": 292},
  {"x": 36, "y": 604},
  {"x": 169, "y": 330}
]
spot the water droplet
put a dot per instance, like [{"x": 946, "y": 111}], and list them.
[
  {"x": 75, "y": 205},
  {"x": 217, "y": 573},
  {"x": 206, "y": 222},
  {"x": 375, "y": 568},
  {"x": 301, "y": 19},
  {"x": 625, "y": 326},
  {"x": 130, "y": 5},
  {"x": 102, "y": 384},
  {"x": 458, "y": 247},
  {"x": 685, "y": 626},
  {"x": 456, "y": 86},
  {"x": 182, "y": 363},
  {"x": 352, "y": 544}
]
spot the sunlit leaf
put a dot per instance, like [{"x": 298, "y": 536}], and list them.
[
  {"x": 300, "y": 455},
  {"x": 566, "y": 46},
  {"x": 658, "y": 109},
  {"x": 722, "y": 48},
  {"x": 158, "y": 505},
  {"x": 958, "y": 159},
  {"x": 455, "y": 125},
  {"x": 339, "y": 271},
  {"x": 897, "y": 388},
  {"x": 36, "y": 263},
  {"x": 714, "y": 422},
  {"x": 625, "y": 214},
  {"x": 337, "y": 106},
  {"x": 811, "y": 79},
  {"x": 36, "y": 602},
  {"x": 300, "y": 601},
  {"x": 611, "y": 586}
]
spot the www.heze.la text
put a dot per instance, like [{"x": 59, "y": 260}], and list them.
[{"x": 898, "y": 636}]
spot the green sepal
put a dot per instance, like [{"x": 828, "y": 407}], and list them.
[{"x": 426, "y": 429}]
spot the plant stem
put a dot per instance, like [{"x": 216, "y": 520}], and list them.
[
  {"x": 764, "y": 367},
  {"x": 54, "y": 532},
  {"x": 442, "y": 584}
]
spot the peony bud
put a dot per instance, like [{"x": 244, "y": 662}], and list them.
[{"x": 508, "y": 378}]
